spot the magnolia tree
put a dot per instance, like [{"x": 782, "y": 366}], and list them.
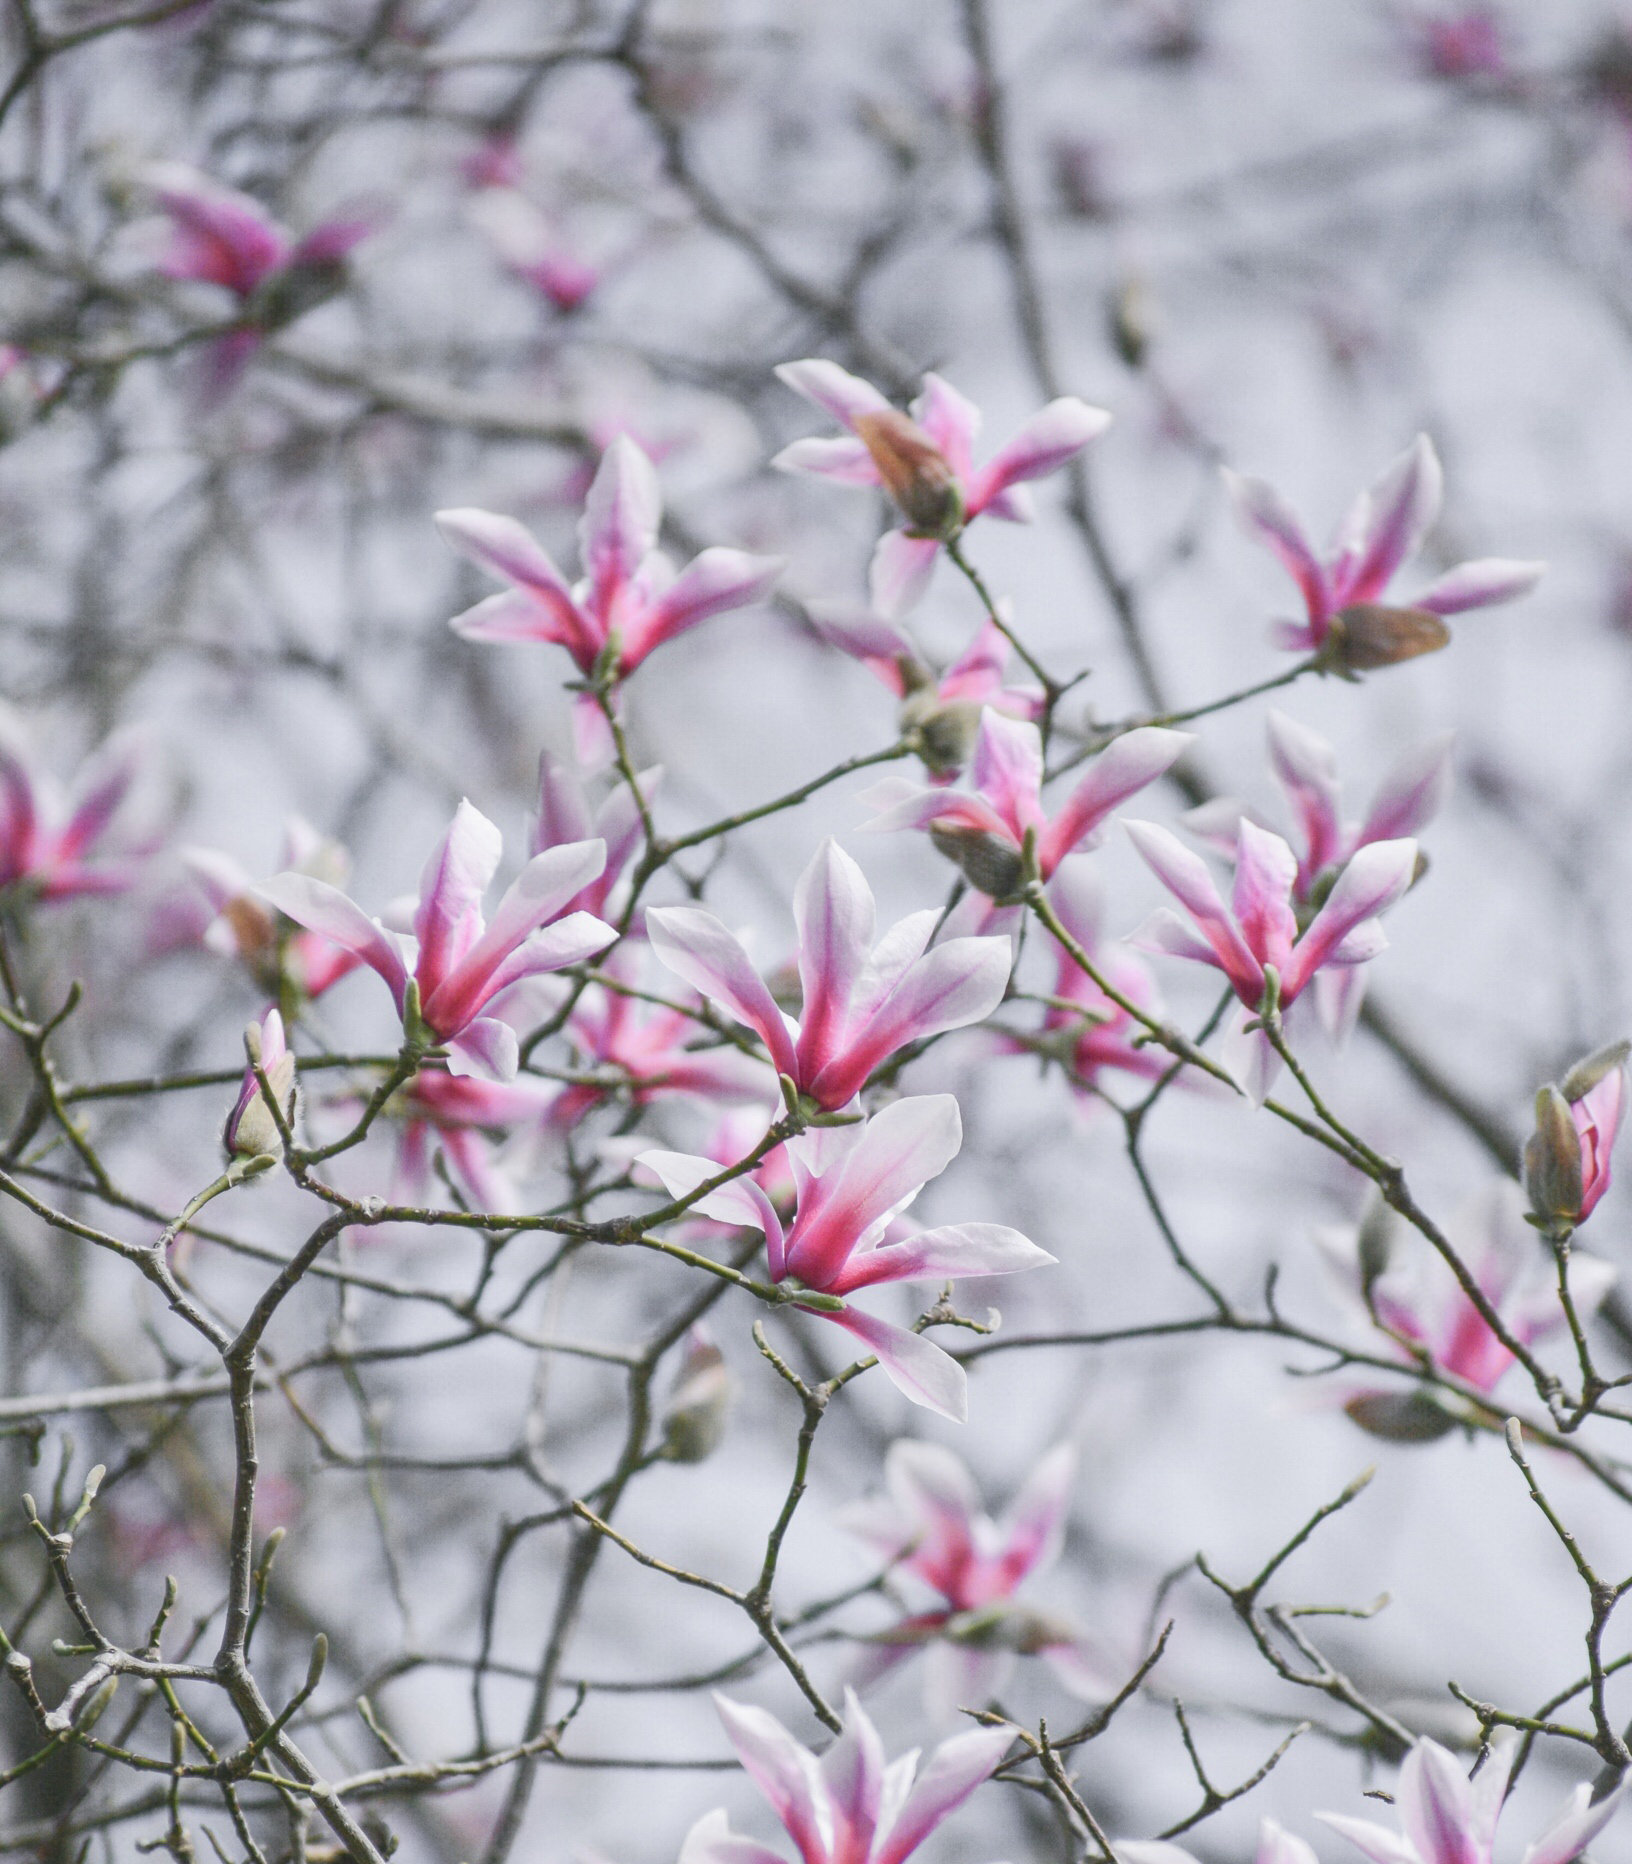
[{"x": 881, "y": 1252}]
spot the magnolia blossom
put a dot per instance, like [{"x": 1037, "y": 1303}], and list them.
[
  {"x": 850, "y": 1806},
  {"x": 1449, "y": 1819},
  {"x": 1260, "y": 927},
  {"x": 1408, "y": 798},
  {"x": 273, "y": 950},
  {"x": 930, "y": 1522},
  {"x": 985, "y": 828},
  {"x": 630, "y": 599},
  {"x": 529, "y": 244},
  {"x": 852, "y": 1184},
  {"x": 252, "y": 1129},
  {"x": 927, "y": 464},
  {"x": 460, "y": 963},
  {"x": 939, "y": 715},
  {"x": 1383, "y": 527},
  {"x": 1276, "y": 1845},
  {"x": 60, "y": 845},
  {"x": 1393, "y": 1278},
  {"x": 861, "y": 1003},
  {"x": 462, "y": 1116},
  {"x": 564, "y": 816}
]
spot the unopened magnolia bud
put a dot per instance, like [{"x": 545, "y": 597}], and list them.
[
  {"x": 1368, "y": 635},
  {"x": 988, "y": 862},
  {"x": 1552, "y": 1165},
  {"x": 252, "y": 1129},
  {"x": 1400, "y": 1417},
  {"x": 699, "y": 1406},
  {"x": 1586, "y": 1075},
  {"x": 1374, "y": 1247},
  {"x": 942, "y": 735},
  {"x": 916, "y": 473},
  {"x": 1130, "y": 320}
]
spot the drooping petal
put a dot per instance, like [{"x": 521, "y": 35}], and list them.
[
  {"x": 507, "y": 550},
  {"x": 1575, "y": 1827},
  {"x": 1339, "y": 992},
  {"x": 711, "y": 1841},
  {"x": 516, "y": 617},
  {"x": 739, "y": 1201},
  {"x": 784, "y": 1772},
  {"x": 843, "y": 395},
  {"x": 950, "y": 1253},
  {"x": 900, "y": 572},
  {"x": 846, "y": 461},
  {"x": 1482, "y": 583},
  {"x": 955, "y": 1769},
  {"x": 485, "y": 1048},
  {"x": 1412, "y": 792},
  {"x": 1042, "y": 445},
  {"x": 916, "y": 1367},
  {"x": 1377, "y": 1842},
  {"x": 697, "y": 947},
  {"x": 857, "y": 631},
  {"x": 1186, "y": 877},
  {"x": 327, "y": 911},
  {"x": 714, "y": 581},
  {"x": 1166, "y": 934},
  {"x": 1124, "y": 768},
  {"x": 452, "y": 886},
  {"x": 1371, "y": 883},
  {"x": 1250, "y": 1057},
  {"x": 833, "y": 910},
  {"x": 1404, "y": 502},
  {"x": 1266, "y": 516}
]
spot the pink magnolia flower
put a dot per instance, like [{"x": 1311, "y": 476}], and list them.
[
  {"x": 630, "y": 600},
  {"x": 564, "y": 816},
  {"x": 461, "y": 964},
  {"x": 1383, "y": 1273},
  {"x": 530, "y": 246},
  {"x": 1276, "y": 1845},
  {"x": 245, "y": 927},
  {"x": 1449, "y": 1819},
  {"x": 861, "y": 1003},
  {"x": 1408, "y": 798},
  {"x": 932, "y": 1525},
  {"x": 984, "y": 829},
  {"x": 852, "y": 1183},
  {"x": 1383, "y": 527},
  {"x": 939, "y": 715},
  {"x": 1567, "y": 1157},
  {"x": 928, "y": 461},
  {"x": 62, "y": 845},
  {"x": 849, "y": 1806},
  {"x": 461, "y": 1115},
  {"x": 252, "y": 1129},
  {"x": 1260, "y": 927}
]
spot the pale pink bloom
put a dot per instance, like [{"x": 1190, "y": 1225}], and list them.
[
  {"x": 852, "y": 1184},
  {"x": 1597, "y": 1115},
  {"x": 903, "y": 563},
  {"x": 861, "y": 1003},
  {"x": 1260, "y": 926},
  {"x": 58, "y": 844},
  {"x": 1408, "y": 798},
  {"x": 850, "y": 1805},
  {"x": 642, "y": 1047},
  {"x": 630, "y": 599},
  {"x": 564, "y": 816},
  {"x": 252, "y": 1129},
  {"x": 1276, "y": 1845},
  {"x": 984, "y": 827},
  {"x": 1415, "y": 1295},
  {"x": 530, "y": 246},
  {"x": 1449, "y": 1819},
  {"x": 1383, "y": 527},
  {"x": 462, "y": 1116},
  {"x": 244, "y": 927},
  {"x": 931, "y": 1524},
  {"x": 460, "y": 963},
  {"x": 1468, "y": 44}
]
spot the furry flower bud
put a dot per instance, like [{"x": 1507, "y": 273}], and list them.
[
  {"x": 700, "y": 1404},
  {"x": 916, "y": 473},
  {"x": 252, "y": 1129},
  {"x": 1552, "y": 1166},
  {"x": 1368, "y": 635},
  {"x": 988, "y": 862}
]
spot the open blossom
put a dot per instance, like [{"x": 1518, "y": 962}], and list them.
[
  {"x": 458, "y": 964},
  {"x": 984, "y": 828},
  {"x": 939, "y": 714},
  {"x": 1383, "y": 527},
  {"x": 630, "y": 599},
  {"x": 931, "y": 1523},
  {"x": 1567, "y": 1158},
  {"x": 861, "y": 1003},
  {"x": 245, "y": 927},
  {"x": 463, "y": 1117},
  {"x": 1449, "y": 1819},
  {"x": 252, "y": 1127},
  {"x": 853, "y": 1182},
  {"x": 850, "y": 1805},
  {"x": 60, "y": 845},
  {"x": 1260, "y": 927},
  {"x": 1408, "y": 798},
  {"x": 1382, "y": 1270},
  {"x": 1276, "y": 1845},
  {"x": 927, "y": 464}
]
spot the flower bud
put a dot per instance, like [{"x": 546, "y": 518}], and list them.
[
  {"x": 1587, "y": 1074},
  {"x": 700, "y": 1403},
  {"x": 942, "y": 735},
  {"x": 1368, "y": 635},
  {"x": 988, "y": 862},
  {"x": 252, "y": 1129},
  {"x": 1552, "y": 1166},
  {"x": 915, "y": 472},
  {"x": 1400, "y": 1417},
  {"x": 1374, "y": 1246}
]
